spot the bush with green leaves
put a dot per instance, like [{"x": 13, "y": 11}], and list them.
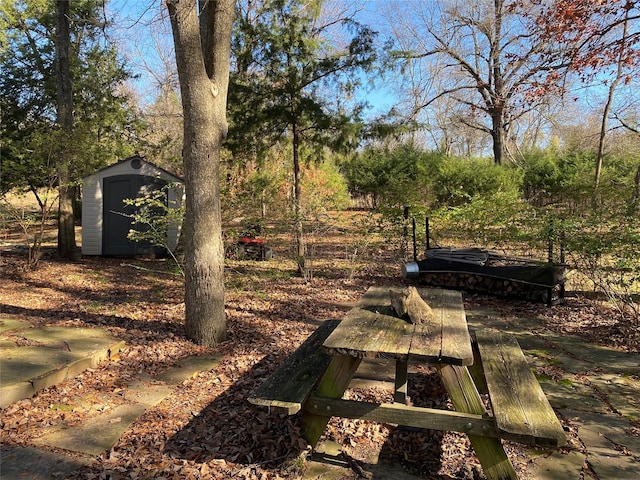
[
  {"x": 604, "y": 246},
  {"x": 499, "y": 220},
  {"x": 407, "y": 175},
  {"x": 566, "y": 178},
  {"x": 154, "y": 217},
  {"x": 323, "y": 189},
  {"x": 458, "y": 181},
  {"x": 543, "y": 175},
  {"x": 392, "y": 177}
]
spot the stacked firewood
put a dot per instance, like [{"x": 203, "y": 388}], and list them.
[{"x": 476, "y": 283}]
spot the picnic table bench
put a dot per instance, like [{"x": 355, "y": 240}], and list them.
[{"x": 314, "y": 378}]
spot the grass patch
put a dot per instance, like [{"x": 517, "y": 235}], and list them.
[
  {"x": 62, "y": 407},
  {"x": 93, "y": 306},
  {"x": 566, "y": 382}
]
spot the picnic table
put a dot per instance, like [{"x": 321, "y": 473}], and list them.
[{"x": 316, "y": 376}]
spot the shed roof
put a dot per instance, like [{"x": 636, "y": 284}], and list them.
[{"x": 133, "y": 157}]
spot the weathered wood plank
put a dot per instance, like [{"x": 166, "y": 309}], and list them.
[
  {"x": 476, "y": 368},
  {"x": 465, "y": 398},
  {"x": 453, "y": 344},
  {"x": 427, "y": 338},
  {"x": 288, "y": 387},
  {"x": 519, "y": 404},
  {"x": 371, "y": 329},
  {"x": 395, "y": 413},
  {"x": 334, "y": 382}
]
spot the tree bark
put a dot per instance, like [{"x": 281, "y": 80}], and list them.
[
  {"x": 202, "y": 39},
  {"x": 496, "y": 104},
  {"x": 635, "y": 199},
  {"x": 67, "y": 247},
  {"x": 497, "y": 134},
  {"x": 607, "y": 108},
  {"x": 297, "y": 213}
]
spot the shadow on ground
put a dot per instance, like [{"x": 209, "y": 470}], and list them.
[{"x": 219, "y": 431}]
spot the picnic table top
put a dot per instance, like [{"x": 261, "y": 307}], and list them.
[{"x": 371, "y": 329}]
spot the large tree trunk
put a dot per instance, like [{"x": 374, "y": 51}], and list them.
[
  {"x": 67, "y": 247},
  {"x": 202, "y": 38}
]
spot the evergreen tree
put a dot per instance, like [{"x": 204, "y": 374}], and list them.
[
  {"x": 291, "y": 83},
  {"x": 105, "y": 123}
]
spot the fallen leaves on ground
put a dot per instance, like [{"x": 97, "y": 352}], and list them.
[{"x": 205, "y": 428}]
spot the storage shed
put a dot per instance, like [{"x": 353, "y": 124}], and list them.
[{"x": 106, "y": 219}]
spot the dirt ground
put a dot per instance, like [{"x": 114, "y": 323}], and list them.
[{"x": 205, "y": 429}]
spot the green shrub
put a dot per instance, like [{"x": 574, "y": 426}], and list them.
[
  {"x": 458, "y": 181},
  {"x": 604, "y": 246},
  {"x": 392, "y": 177},
  {"x": 491, "y": 220}
]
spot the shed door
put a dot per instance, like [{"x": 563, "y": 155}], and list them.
[{"x": 116, "y": 215}]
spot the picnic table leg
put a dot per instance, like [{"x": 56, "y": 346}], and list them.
[
  {"x": 400, "y": 392},
  {"x": 333, "y": 383},
  {"x": 465, "y": 398}
]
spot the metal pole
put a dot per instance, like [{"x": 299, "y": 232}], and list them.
[
  {"x": 427, "y": 233},
  {"x": 405, "y": 233},
  {"x": 415, "y": 252},
  {"x": 550, "y": 246}
]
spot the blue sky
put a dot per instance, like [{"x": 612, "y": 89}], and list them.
[{"x": 145, "y": 40}]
